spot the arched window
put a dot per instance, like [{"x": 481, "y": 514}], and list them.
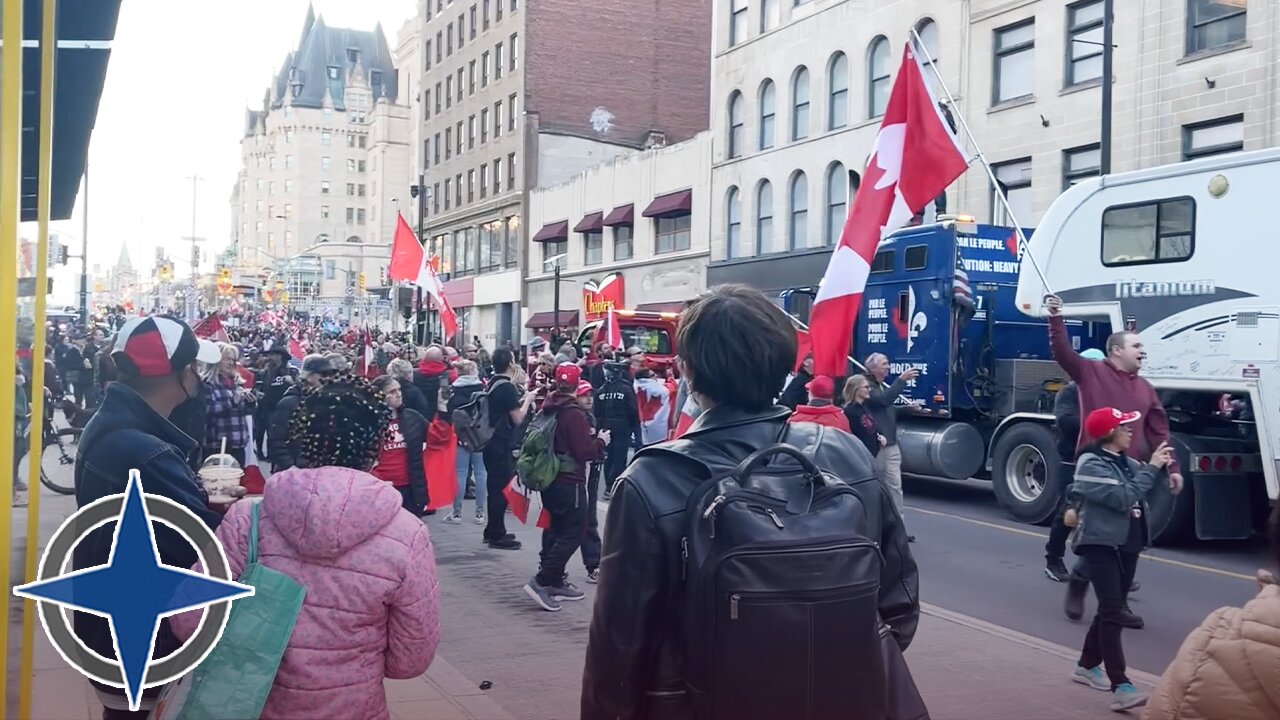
[
  {"x": 354, "y": 239},
  {"x": 837, "y": 202},
  {"x": 877, "y": 77},
  {"x": 733, "y": 223},
  {"x": 764, "y": 217},
  {"x": 768, "y": 113},
  {"x": 797, "y": 227},
  {"x": 800, "y": 104},
  {"x": 928, "y": 31},
  {"x": 735, "y": 124},
  {"x": 838, "y": 91}
]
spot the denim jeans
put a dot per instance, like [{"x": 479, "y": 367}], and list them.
[{"x": 466, "y": 463}]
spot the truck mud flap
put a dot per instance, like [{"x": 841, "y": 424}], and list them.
[{"x": 1223, "y": 506}]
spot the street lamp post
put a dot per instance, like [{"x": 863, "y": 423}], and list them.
[{"x": 555, "y": 293}]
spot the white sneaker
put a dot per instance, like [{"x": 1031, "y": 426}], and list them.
[
  {"x": 480, "y": 520},
  {"x": 453, "y": 519}
]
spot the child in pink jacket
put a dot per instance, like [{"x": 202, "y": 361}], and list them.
[{"x": 372, "y": 604}]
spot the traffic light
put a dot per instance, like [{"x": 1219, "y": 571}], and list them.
[{"x": 360, "y": 282}]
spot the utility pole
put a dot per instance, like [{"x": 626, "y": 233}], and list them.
[
  {"x": 84, "y": 254},
  {"x": 195, "y": 248},
  {"x": 1108, "y": 58}
]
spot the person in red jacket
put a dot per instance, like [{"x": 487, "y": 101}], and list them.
[
  {"x": 821, "y": 409},
  {"x": 566, "y": 499}
]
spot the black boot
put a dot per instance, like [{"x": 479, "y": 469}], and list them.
[{"x": 1073, "y": 606}]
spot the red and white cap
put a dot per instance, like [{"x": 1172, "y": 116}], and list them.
[
  {"x": 1103, "y": 421},
  {"x": 568, "y": 375},
  {"x": 155, "y": 346}
]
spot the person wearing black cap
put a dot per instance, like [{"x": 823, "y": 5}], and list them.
[
  {"x": 282, "y": 450},
  {"x": 273, "y": 381},
  {"x": 156, "y": 358}
]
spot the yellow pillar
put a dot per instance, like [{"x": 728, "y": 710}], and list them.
[
  {"x": 10, "y": 217},
  {"x": 48, "y": 50}
]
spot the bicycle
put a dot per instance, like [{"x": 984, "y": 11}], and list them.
[{"x": 59, "y": 451}]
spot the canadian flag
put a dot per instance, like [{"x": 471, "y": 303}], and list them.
[
  {"x": 915, "y": 158},
  {"x": 610, "y": 331},
  {"x": 431, "y": 285}
]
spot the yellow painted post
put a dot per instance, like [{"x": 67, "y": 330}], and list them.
[
  {"x": 10, "y": 217},
  {"x": 48, "y": 51}
]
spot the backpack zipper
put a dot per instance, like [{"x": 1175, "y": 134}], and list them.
[{"x": 733, "y": 606}]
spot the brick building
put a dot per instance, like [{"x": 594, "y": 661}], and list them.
[
  {"x": 799, "y": 88},
  {"x": 514, "y": 95}
]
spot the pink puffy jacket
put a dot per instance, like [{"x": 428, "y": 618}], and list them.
[{"x": 372, "y": 603}]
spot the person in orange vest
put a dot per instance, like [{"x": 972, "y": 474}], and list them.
[{"x": 821, "y": 408}]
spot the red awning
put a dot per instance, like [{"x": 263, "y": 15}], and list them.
[
  {"x": 662, "y": 307},
  {"x": 547, "y": 320},
  {"x": 621, "y": 215},
  {"x": 552, "y": 232},
  {"x": 593, "y": 222},
  {"x": 670, "y": 205}
]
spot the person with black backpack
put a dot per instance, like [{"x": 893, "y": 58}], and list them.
[
  {"x": 468, "y": 460},
  {"x": 750, "y": 553},
  {"x": 506, "y": 406}
]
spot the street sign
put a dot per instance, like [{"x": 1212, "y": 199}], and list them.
[{"x": 351, "y": 291}]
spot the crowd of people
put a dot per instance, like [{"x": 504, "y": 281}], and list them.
[{"x": 347, "y": 424}]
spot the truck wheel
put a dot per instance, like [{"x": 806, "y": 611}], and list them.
[
  {"x": 1024, "y": 472},
  {"x": 1173, "y": 517}
]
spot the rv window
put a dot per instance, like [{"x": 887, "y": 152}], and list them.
[
  {"x": 1155, "y": 232},
  {"x": 904, "y": 308},
  {"x": 882, "y": 262},
  {"x": 916, "y": 257}
]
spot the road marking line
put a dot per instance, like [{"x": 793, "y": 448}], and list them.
[
  {"x": 1029, "y": 533},
  {"x": 1031, "y": 641}
]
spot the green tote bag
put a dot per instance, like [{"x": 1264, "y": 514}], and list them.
[{"x": 235, "y": 679}]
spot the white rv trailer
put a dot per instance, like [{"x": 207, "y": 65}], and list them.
[{"x": 1188, "y": 256}]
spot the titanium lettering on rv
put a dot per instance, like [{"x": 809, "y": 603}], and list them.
[{"x": 1176, "y": 288}]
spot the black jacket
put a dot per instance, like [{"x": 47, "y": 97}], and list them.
[
  {"x": 414, "y": 429},
  {"x": 634, "y": 656},
  {"x": 429, "y": 386},
  {"x": 413, "y": 399},
  {"x": 1066, "y": 416},
  {"x": 615, "y": 404},
  {"x": 796, "y": 394},
  {"x": 281, "y": 449},
  {"x": 192, "y": 417},
  {"x": 273, "y": 389}
]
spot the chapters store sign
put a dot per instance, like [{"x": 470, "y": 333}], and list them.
[{"x": 599, "y": 296}]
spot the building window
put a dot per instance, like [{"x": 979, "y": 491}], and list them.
[
  {"x": 735, "y": 124},
  {"x": 330, "y": 269},
  {"x": 449, "y": 40},
  {"x": 737, "y": 21},
  {"x": 351, "y": 141},
  {"x": 472, "y": 20},
  {"x": 428, "y": 55},
  {"x": 484, "y": 180},
  {"x": 800, "y": 104},
  {"x": 764, "y": 217},
  {"x": 257, "y": 206},
  {"x": 471, "y": 185},
  {"x": 484, "y": 69},
  {"x": 1084, "y": 42},
  {"x": 798, "y": 227},
  {"x": 471, "y": 132},
  {"x": 457, "y": 134},
  {"x": 927, "y": 29},
  {"x": 484, "y": 125},
  {"x": 360, "y": 190},
  {"x": 448, "y": 193},
  {"x": 448, "y": 91},
  {"x": 512, "y": 112},
  {"x": 497, "y": 176},
  {"x": 512, "y": 242},
  {"x": 257, "y": 227},
  {"x": 271, "y": 188},
  {"x": 1080, "y": 163},
  {"x": 438, "y": 97},
  {"x": 1013, "y": 180},
  {"x": 486, "y": 13},
  {"x": 673, "y": 234},
  {"x": 439, "y": 45},
  {"x": 448, "y": 143},
  {"x": 1015, "y": 62},
  {"x": 457, "y": 190},
  {"x": 288, "y": 210},
  {"x": 324, "y": 212},
  {"x": 1149, "y": 232},
  {"x": 768, "y": 110},
  {"x": 288, "y": 136},
  {"x": 877, "y": 77},
  {"x": 288, "y": 162},
  {"x": 770, "y": 14},
  {"x": 351, "y": 189},
  {"x": 837, "y": 202},
  {"x": 462, "y": 31},
  {"x": 288, "y": 186},
  {"x": 1214, "y": 137},
  {"x": 326, "y": 162},
  {"x": 555, "y": 249},
  {"x": 360, "y": 216},
  {"x": 435, "y": 198},
  {"x": 1214, "y": 23},
  {"x": 497, "y": 61},
  {"x": 497, "y": 119},
  {"x": 471, "y": 77},
  {"x": 593, "y": 248},
  {"x": 515, "y": 52},
  {"x": 838, "y": 91},
  {"x": 733, "y": 223},
  {"x": 351, "y": 215},
  {"x": 623, "y": 247},
  {"x": 333, "y": 72}
]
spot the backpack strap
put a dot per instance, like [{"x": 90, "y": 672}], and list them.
[{"x": 251, "y": 556}]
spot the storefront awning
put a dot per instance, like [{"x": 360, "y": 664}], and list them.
[
  {"x": 547, "y": 320},
  {"x": 670, "y": 205},
  {"x": 662, "y": 307},
  {"x": 621, "y": 215},
  {"x": 593, "y": 222},
  {"x": 552, "y": 232}
]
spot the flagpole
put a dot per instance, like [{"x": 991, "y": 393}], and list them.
[{"x": 991, "y": 174}]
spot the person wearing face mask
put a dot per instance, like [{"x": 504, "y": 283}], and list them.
[{"x": 156, "y": 358}]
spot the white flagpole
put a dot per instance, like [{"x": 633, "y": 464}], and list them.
[{"x": 991, "y": 174}]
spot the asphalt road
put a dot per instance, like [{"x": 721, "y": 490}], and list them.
[{"x": 976, "y": 560}]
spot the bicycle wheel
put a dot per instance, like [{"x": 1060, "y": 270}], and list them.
[{"x": 57, "y": 462}]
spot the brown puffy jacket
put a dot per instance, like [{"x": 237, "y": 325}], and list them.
[{"x": 1229, "y": 667}]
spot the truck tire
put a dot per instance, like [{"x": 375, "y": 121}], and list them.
[
  {"x": 1025, "y": 472},
  {"x": 1173, "y": 517}
]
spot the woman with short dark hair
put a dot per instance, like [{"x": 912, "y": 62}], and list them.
[{"x": 400, "y": 460}]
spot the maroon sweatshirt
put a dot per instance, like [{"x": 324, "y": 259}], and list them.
[
  {"x": 573, "y": 436},
  {"x": 1102, "y": 384}
]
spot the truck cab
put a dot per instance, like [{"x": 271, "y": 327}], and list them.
[{"x": 654, "y": 333}]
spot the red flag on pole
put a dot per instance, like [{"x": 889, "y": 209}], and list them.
[
  {"x": 211, "y": 328},
  {"x": 431, "y": 285},
  {"x": 915, "y": 158},
  {"x": 406, "y": 253},
  {"x": 804, "y": 348},
  {"x": 613, "y": 334}
]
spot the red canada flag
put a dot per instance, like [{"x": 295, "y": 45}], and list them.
[
  {"x": 406, "y": 253},
  {"x": 915, "y": 158}
]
